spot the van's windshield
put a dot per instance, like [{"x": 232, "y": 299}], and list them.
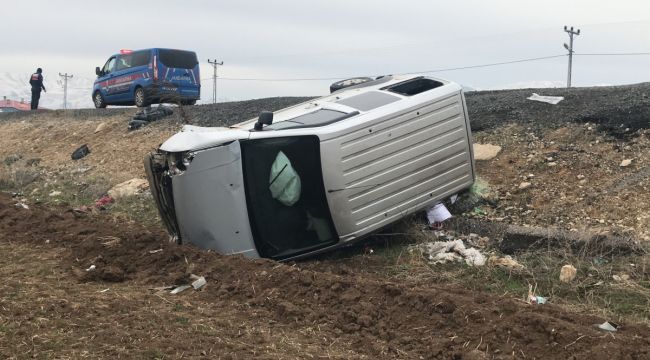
[
  {"x": 285, "y": 195},
  {"x": 178, "y": 58}
]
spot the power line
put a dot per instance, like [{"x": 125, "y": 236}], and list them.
[
  {"x": 406, "y": 73},
  {"x": 612, "y": 54}
]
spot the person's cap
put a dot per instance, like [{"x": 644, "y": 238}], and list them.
[{"x": 39, "y": 70}]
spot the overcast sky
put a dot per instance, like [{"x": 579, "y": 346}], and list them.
[{"x": 289, "y": 39}]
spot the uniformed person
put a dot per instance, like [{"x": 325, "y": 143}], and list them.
[{"x": 36, "y": 81}]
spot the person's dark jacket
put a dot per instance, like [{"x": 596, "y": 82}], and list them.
[{"x": 36, "y": 81}]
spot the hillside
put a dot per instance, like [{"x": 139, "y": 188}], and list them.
[{"x": 375, "y": 300}]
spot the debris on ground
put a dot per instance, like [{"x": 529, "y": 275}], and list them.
[
  {"x": 440, "y": 252},
  {"x": 180, "y": 288},
  {"x": 506, "y": 262},
  {"x": 436, "y": 214},
  {"x": 148, "y": 114},
  {"x": 91, "y": 268},
  {"x": 486, "y": 151},
  {"x": 128, "y": 188},
  {"x": 55, "y": 193},
  {"x": 534, "y": 299},
  {"x": 621, "y": 277},
  {"x": 199, "y": 281},
  {"x": 103, "y": 201},
  {"x": 80, "y": 152},
  {"x": 568, "y": 273},
  {"x": 607, "y": 326},
  {"x": 100, "y": 127},
  {"x": 553, "y": 100},
  {"x": 21, "y": 204},
  {"x": 626, "y": 162}
]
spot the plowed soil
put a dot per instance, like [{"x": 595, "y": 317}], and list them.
[{"x": 52, "y": 307}]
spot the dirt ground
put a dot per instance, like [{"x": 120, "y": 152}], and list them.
[
  {"x": 343, "y": 305},
  {"x": 53, "y": 307}
]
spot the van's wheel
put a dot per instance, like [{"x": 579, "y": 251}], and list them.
[
  {"x": 98, "y": 99},
  {"x": 188, "y": 102},
  {"x": 140, "y": 97},
  {"x": 348, "y": 82}
]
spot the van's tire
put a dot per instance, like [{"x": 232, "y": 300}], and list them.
[
  {"x": 188, "y": 102},
  {"x": 342, "y": 84},
  {"x": 140, "y": 97},
  {"x": 98, "y": 100}
]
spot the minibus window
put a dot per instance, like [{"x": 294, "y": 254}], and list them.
[{"x": 178, "y": 59}]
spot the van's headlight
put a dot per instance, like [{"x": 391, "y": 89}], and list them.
[{"x": 187, "y": 159}]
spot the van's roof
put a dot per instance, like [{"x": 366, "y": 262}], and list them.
[{"x": 155, "y": 48}]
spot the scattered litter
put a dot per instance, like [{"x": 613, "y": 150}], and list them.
[
  {"x": 148, "y": 114},
  {"x": 534, "y": 299},
  {"x": 100, "y": 127},
  {"x": 453, "y": 198},
  {"x": 136, "y": 124},
  {"x": 22, "y": 205},
  {"x": 55, "y": 193},
  {"x": 438, "y": 213},
  {"x": 626, "y": 162},
  {"x": 103, "y": 201},
  {"x": 599, "y": 261},
  {"x": 103, "y": 291},
  {"x": 486, "y": 151},
  {"x": 155, "y": 251},
  {"x": 47, "y": 241},
  {"x": 110, "y": 241},
  {"x": 607, "y": 326},
  {"x": 621, "y": 278},
  {"x": 180, "y": 288},
  {"x": 199, "y": 281},
  {"x": 440, "y": 252},
  {"x": 553, "y": 100},
  {"x": 128, "y": 188},
  {"x": 478, "y": 211},
  {"x": 568, "y": 273},
  {"x": 505, "y": 262},
  {"x": 524, "y": 185},
  {"x": 91, "y": 268},
  {"x": 81, "y": 152}
]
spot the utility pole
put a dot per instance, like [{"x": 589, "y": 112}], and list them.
[
  {"x": 570, "y": 48},
  {"x": 65, "y": 88},
  {"x": 214, "y": 64}
]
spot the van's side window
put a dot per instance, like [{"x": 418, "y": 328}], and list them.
[
  {"x": 109, "y": 67},
  {"x": 135, "y": 59}
]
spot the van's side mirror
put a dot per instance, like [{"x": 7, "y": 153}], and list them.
[
  {"x": 265, "y": 118},
  {"x": 98, "y": 71}
]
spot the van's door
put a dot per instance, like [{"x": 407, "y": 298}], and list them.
[
  {"x": 178, "y": 71},
  {"x": 131, "y": 69},
  {"x": 105, "y": 80}
]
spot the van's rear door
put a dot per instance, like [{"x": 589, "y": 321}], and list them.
[{"x": 179, "y": 72}]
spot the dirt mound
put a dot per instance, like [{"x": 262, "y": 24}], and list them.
[
  {"x": 372, "y": 316},
  {"x": 612, "y": 108}
]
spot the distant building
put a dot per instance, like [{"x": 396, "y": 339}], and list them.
[{"x": 13, "y": 105}]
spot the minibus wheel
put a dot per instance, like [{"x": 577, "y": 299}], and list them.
[
  {"x": 98, "y": 99},
  {"x": 140, "y": 98}
]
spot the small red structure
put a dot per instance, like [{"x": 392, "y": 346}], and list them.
[{"x": 7, "y": 105}]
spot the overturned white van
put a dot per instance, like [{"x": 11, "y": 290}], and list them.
[{"x": 318, "y": 175}]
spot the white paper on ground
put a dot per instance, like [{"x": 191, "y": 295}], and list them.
[
  {"x": 438, "y": 213},
  {"x": 547, "y": 99}
]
